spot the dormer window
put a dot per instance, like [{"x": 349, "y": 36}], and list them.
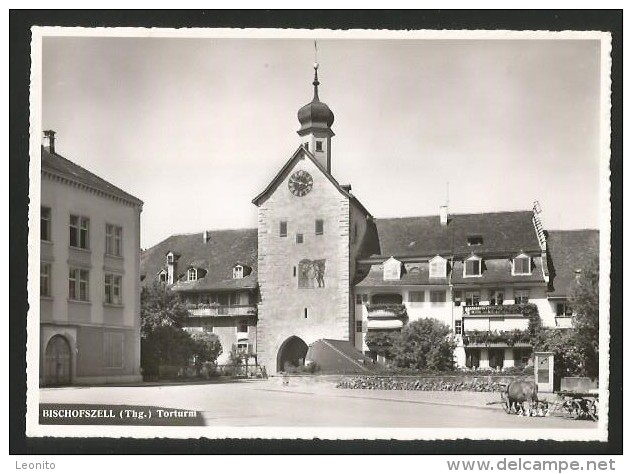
[
  {"x": 192, "y": 274},
  {"x": 392, "y": 269},
  {"x": 170, "y": 258},
  {"x": 472, "y": 267},
  {"x": 162, "y": 276},
  {"x": 521, "y": 265},
  {"x": 438, "y": 267},
  {"x": 238, "y": 272},
  {"x": 474, "y": 240}
]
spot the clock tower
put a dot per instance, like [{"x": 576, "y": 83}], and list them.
[
  {"x": 311, "y": 230},
  {"x": 316, "y": 119}
]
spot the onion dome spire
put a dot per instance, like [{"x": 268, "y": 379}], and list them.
[{"x": 316, "y": 114}]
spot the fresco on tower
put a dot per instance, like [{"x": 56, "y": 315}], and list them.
[{"x": 311, "y": 273}]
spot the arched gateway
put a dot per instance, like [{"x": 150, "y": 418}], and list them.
[
  {"x": 291, "y": 353},
  {"x": 57, "y": 361}
]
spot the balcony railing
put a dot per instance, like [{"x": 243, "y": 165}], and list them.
[
  {"x": 386, "y": 311},
  {"x": 496, "y": 309},
  {"x": 514, "y": 338},
  {"x": 204, "y": 309}
]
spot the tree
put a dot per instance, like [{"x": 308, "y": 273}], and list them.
[
  {"x": 425, "y": 344},
  {"x": 585, "y": 302},
  {"x": 561, "y": 342},
  {"x": 206, "y": 348},
  {"x": 163, "y": 341},
  {"x": 160, "y": 306}
]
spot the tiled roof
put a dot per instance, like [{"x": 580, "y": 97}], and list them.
[
  {"x": 498, "y": 270},
  {"x": 494, "y": 271},
  {"x": 502, "y": 233},
  {"x": 412, "y": 274},
  {"x": 60, "y": 166},
  {"x": 570, "y": 250},
  {"x": 218, "y": 256}
]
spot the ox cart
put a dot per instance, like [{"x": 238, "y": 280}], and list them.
[
  {"x": 514, "y": 395},
  {"x": 577, "y": 405}
]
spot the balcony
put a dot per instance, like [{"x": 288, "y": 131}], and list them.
[
  {"x": 211, "y": 309},
  {"x": 515, "y": 310},
  {"x": 514, "y": 338},
  {"x": 386, "y": 311}
]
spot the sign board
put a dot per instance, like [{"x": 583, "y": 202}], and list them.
[{"x": 543, "y": 369}]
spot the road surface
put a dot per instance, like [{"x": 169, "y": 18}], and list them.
[{"x": 300, "y": 404}]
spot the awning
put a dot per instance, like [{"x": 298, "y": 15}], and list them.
[{"x": 384, "y": 324}]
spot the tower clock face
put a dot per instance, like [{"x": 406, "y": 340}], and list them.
[{"x": 300, "y": 183}]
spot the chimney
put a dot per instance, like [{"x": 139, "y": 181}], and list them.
[
  {"x": 171, "y": 267},
  {"x": 443, "y": 215},
  {"x": 49, "y": 140},
  {"x": 206, "y": 236}
]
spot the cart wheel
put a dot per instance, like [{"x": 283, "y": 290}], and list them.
[{"x": 594, "y": 410}]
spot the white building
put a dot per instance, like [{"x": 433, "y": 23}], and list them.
[{"x": 89, "y": 276}]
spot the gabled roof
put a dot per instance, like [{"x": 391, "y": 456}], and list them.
[
  {"x": 218, "y": 256},
  {"x": 570, "y": 250},
  {"x": 282, "y": 174},
  {"x": 57, "y": 165},
  {"x": 502, "y": 233}
]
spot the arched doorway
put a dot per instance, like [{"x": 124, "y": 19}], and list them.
[
  {"x": 291, "y": 353},
  {"x": 57, "y": 361}
]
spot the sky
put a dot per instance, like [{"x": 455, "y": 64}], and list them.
[{"x": 197, "y": 127}]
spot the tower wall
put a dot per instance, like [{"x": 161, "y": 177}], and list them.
[{"x": 283, "y": 301}]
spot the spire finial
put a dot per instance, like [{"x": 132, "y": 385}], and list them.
[{"x": 316, "y": 83}]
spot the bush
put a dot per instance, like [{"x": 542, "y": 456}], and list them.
[
  {"x": 425, "y": 344},
  {"x": 382, "y": 342}
]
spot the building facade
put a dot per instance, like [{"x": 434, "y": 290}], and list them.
[
  {"x": 322, "y": 267},
  {"x": 215, "y": 272},
  {"x": 89, "y": 276}
]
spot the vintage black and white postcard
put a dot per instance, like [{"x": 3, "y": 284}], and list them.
[{"x": 326, "y": 234}]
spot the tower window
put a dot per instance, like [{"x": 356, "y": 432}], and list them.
[
  {"x": 319, "y": 145},
  {"x": 305, "y": 313},
  {"x": 319, "y": 226},
  {"x": 283, "y": 229},
  {"x": 299, "y": 238},
  {"x": 192, "y": 274}
]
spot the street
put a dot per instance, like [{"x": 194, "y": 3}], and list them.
[{"x": 301, "y": 404}]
